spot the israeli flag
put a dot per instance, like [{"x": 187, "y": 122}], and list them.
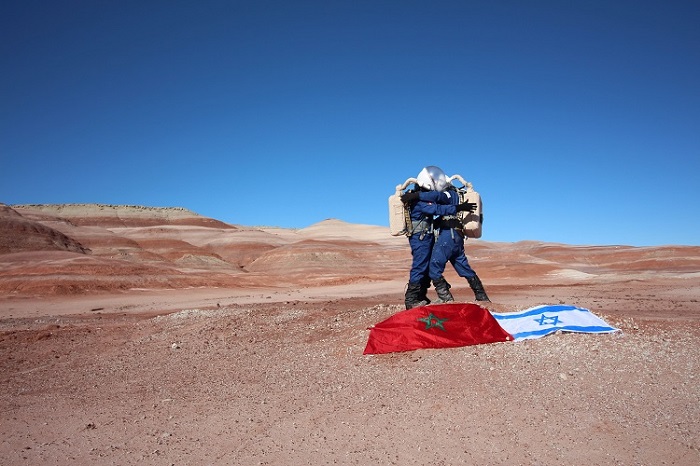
[{"x": 539, "y": 321}]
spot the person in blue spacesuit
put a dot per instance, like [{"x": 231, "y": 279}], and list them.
[
  {"x": 449, "y": 246},
  {"x": 425, "y": 203}
]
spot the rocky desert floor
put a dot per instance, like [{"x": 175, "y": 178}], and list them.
[{"x": 155, "y": 336}]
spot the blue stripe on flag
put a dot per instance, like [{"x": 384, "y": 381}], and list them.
[
  {"x": 569, "y": 328},
  {"x": 537, "y": 311}
]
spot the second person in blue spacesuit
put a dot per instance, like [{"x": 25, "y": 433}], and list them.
[{"x": 449, "y": 247}]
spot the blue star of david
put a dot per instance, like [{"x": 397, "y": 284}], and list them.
[{"x": 544, "y": 320}]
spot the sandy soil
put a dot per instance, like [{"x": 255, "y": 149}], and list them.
[{"x": 98, "y": 366}]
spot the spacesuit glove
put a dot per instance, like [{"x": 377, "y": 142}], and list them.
[
  {"x": 409, "y": 197},
  {"x": 466, "y": 207}
]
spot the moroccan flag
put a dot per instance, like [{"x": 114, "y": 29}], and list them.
[{"x": 435, "y": 326}]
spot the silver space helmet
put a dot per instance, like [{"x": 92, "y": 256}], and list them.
[{"x": 432, "y": 178}]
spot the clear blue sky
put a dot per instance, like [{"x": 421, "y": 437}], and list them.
[{"x": 578, "y": 122}]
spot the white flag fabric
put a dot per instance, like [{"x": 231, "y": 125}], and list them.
[{"x": 539, "y": 321}]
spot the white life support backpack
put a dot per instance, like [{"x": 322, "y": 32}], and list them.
[
  {"x": 471, "y": 221},
  {"x": 399, "y": 216}
]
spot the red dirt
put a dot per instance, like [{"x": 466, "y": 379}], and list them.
[{"x": 169, "y": 348}]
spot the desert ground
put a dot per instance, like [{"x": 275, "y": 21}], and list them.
[{"x": 140, "y": 335}]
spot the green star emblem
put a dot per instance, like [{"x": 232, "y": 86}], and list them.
[{"x": 432, "y": 321}]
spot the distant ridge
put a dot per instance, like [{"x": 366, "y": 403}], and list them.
[
  {"x": 77, "y": 248},
  {"x": 110, "y": 215},
  {"x": 88, "y": 208}
]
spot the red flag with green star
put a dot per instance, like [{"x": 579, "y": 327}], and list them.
[{"x": 435, "y": 326}]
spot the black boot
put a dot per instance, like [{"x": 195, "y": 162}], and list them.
[
  {"x": 478, "y": 289},
  {"x": 413, "y": 299},
  {"x": 443, "y": 290},
  {"x": 424, "y": 287}
]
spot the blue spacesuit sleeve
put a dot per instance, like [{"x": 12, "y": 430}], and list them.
[
  {"x": 434, "y": 196},
  {"x": 447, "y": 197},
  {"x": 435, "y": 209}
]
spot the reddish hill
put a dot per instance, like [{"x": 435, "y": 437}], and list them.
[
  {"x": 19, "y": 234},
  {"x": 147, "y": 247}
]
